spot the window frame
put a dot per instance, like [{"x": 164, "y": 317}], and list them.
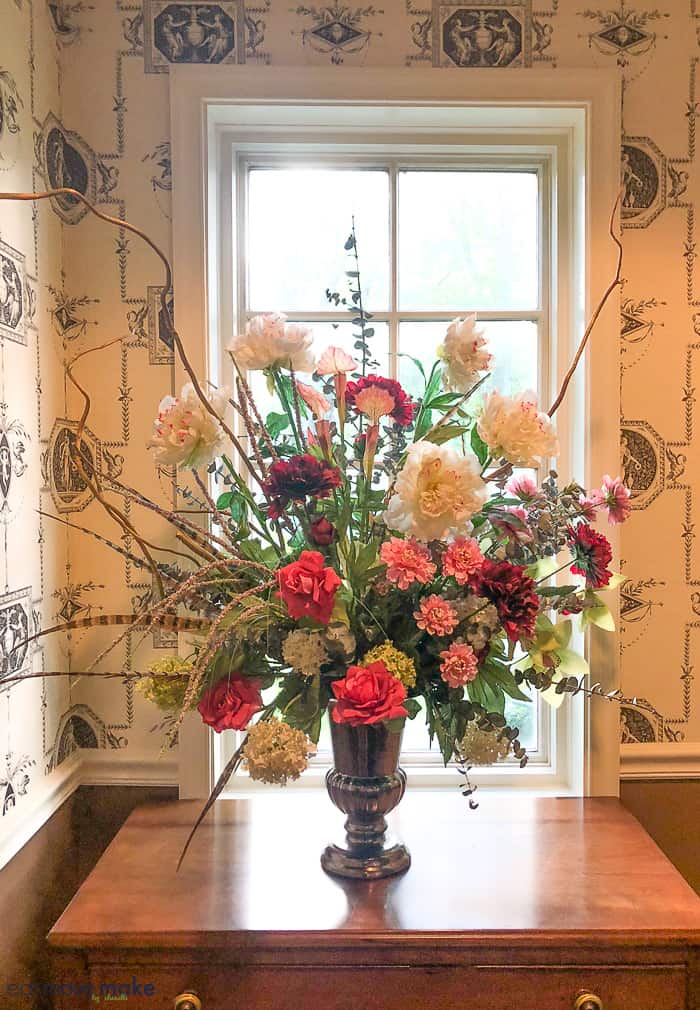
[{"x": 576, "y": 120}]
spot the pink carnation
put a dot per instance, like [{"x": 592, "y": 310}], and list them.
[
  {"x": 614, "y": 498},
  {"x": 408, "y": 561},
  {"x": 587, "y": 508},
  {"x": 462, "y": 559},
  {"x": 523, "y": 487},
  {"x": 436, "y": 616},
  {"x": 517, "y": 529},
  {"x": 459, "y": 664}
]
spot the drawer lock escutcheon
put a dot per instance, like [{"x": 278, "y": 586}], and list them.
[
  {"x": 588, "y": 1001},
  {"x": 188, "y": 1001}
]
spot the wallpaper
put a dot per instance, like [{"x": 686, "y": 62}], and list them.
[
  {"x": 89, "y": 109},
  {"x": 35, "y": 565}
]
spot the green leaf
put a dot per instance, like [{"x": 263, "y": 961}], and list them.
[
  {"x": 395, "y": 725},
  {"x": 224, "y": 500},
  {"x": 412, "y": 706},
  {"x": 542, "y": 569},
  {"x": 480, "y": 448},
  {"x": 416, "y": 362},
  {"x": 491, "y": 697},
  {"x": 276, "y": 424},
  {"x": 445, "y": 433}
]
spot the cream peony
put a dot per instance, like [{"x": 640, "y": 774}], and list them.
[
  {"x": 185, "y": 434},
  {"x": 515, "y": 429},
  {"x": 464, "y": 353},
  {"x": 436, "y": 493},
  {"x": 269, "y": 340}
]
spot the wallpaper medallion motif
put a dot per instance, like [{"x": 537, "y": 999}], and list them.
[
  {"x": 177, "y": 32},
  {"x": 482, "y": 35}
]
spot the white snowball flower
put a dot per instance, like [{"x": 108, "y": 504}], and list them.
[
  {"x": 269, "y": 340},
  {"x": 515, "y": 429},
  {"x": 304, "y": 651},
  {"x": 436, "y": 492},
  {"x": 465, "y": 354},
  {"x": 185, "y": 434}
]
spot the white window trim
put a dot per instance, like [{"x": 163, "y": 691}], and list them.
[{"x": 577, "y": 113}]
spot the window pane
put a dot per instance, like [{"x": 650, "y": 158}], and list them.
[
  {"x": 513, "y": 345},
  {"x": 468, "y": 240},
  {"x": 298, "y": 221}
]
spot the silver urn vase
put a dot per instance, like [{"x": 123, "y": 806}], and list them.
[{"x": 366, "y": 783}]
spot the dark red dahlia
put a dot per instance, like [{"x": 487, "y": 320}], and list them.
[
  {"x": 512, "y": 593},
  {"x": 298, "y": 478},
  {"x": 375, "y": 397},
  {"x": 592, "y": 555}
]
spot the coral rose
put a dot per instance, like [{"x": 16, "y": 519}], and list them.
[
  {"x": 231, "y": 703},
  {"x": 368, "y": 694},
  {"x": 308, "y": 588}
]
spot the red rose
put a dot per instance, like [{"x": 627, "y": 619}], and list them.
[
  {"x": 322, "y": 532},
  {"x": 231, "y": 703},
  {"x": 368, "y": 694},
  {"x": 308, "y": 588}
]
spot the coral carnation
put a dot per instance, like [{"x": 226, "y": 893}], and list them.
[
  {"x": 408, "y": 562},
  {"x": 459, "y": 664},
  {"x": 614, "y": 497},
  {"x": 512, "y": 592},
  {"x": 376, "y": 397},
  {"x": 298, "y": 478},
  {"x": 592, "y": 555},
  {"x": 436, "y": 616},
  {"x": 462, "y": 559}
]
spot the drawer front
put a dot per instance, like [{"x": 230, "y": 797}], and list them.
[{"x": 405, "y": 988}]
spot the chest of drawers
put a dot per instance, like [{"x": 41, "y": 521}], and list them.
[{"x": 525, "y": 904}]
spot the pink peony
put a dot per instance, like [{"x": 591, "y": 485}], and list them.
[
  {"x": 462, "y": 559},
  {"x": 408, "y": 562},
  {"x": 614, "y": 498},
  {"x": 459, "y": 664},
  {"x": 436, "y": 616}
]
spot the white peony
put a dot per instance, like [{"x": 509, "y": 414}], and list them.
[
  {"x": 185, "y": 434},
  {"x": 269, "y": 340},
  {"x": 515, "y": 429},
  {"x": 464, "y": 353},
  {"x": 436, "y": 492}
]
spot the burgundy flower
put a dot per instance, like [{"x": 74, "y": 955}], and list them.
[
  {"x": 321, "y": 532},
  {"x": 512, "y": 593},
  {"x": 592, "y": 555},
  {"x": 375, "y": 397},
  {"x": 298, "y": 478}
]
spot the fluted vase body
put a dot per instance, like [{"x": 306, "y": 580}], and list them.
[{"x": 366, "y": 783}]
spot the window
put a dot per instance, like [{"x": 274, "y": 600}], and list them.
[{"x": 461, "y": 203}]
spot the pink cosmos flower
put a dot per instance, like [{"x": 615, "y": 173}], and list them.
[
  {"x": 614, "y": 498},
  {"x": 459, "y": 664},
  {"x": 462, "y": 559},
  {"x": 436, "y": 615},
  {"x": 588, "y": 508},
  {"x": 523, "y": 487},
  {"x": 314, "y": 399},
  {"x": 408, "y": 561}
]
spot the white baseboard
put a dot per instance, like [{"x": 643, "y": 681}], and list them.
[
  {"x": 87, "y": 767},
  {"x": 660, "y": 761}
]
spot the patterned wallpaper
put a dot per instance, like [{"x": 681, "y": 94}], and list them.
[{"x": 100, "y": 124}]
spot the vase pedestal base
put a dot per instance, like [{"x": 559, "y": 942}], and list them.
[{"x": 386, "y": 862}]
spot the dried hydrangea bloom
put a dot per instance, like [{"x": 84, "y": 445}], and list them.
[
  {"x": 275, "y": 752},
  {"x": 479, "y": 747},
  {"x": 304, "y": 651}
]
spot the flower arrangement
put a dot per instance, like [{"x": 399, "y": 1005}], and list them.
[{"x": 378, "y": 555}]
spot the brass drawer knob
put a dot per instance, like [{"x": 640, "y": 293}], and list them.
[
  {"x": 188, "y": 1001},
  {"x": 588, "y": 1001}
]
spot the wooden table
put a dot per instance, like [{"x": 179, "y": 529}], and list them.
[{"x": 521, "y": 905}]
